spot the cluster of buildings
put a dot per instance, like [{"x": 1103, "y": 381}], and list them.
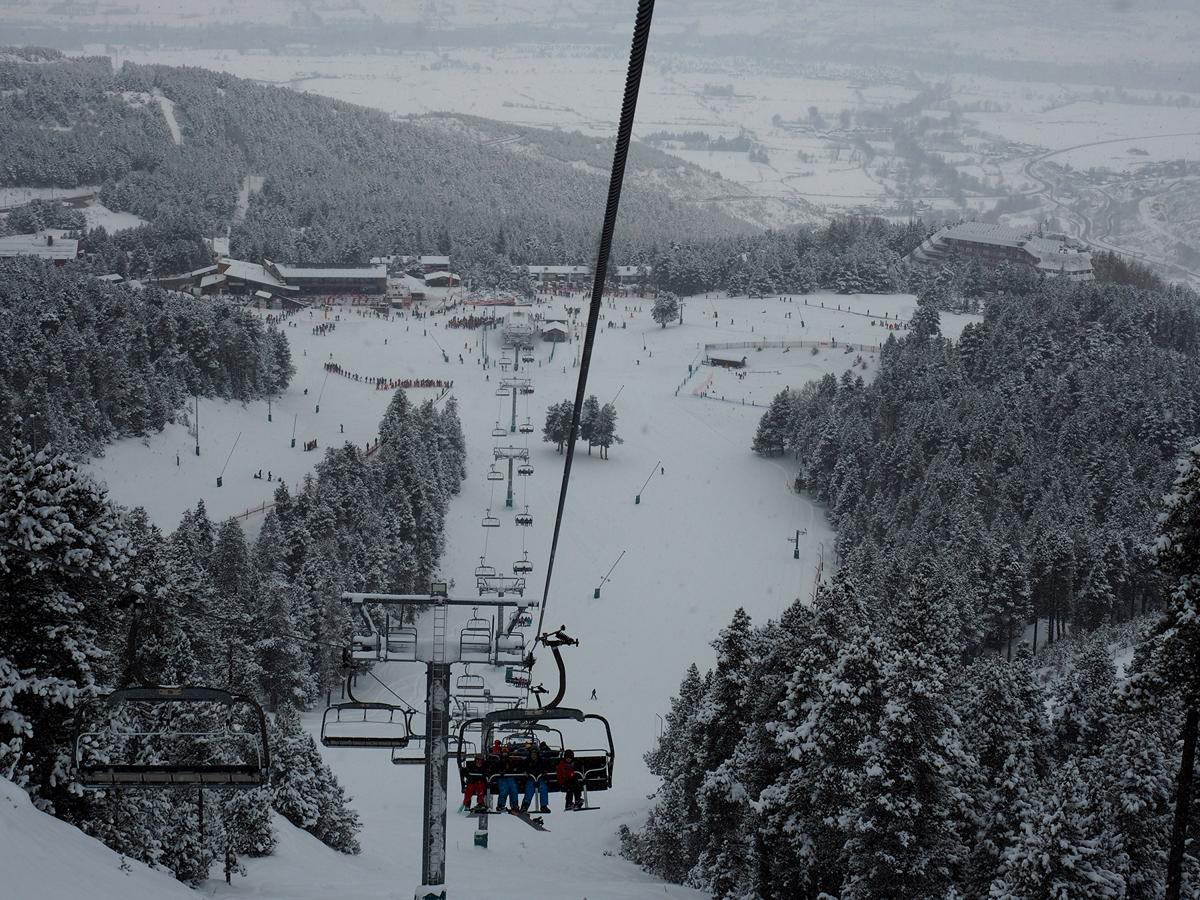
[
  {"x": 578, "y": 276},
  {"x": 1053, "y": 255}
]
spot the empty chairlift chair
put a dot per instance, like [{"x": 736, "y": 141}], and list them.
[
  {"x": 483, "y": 570},
  {"x": 499, "y": 431},
  {"x": 495, "y": 474},
  {"x": 490, "y": 521},
  {"x": 502, "y": 392},
  {"x": 171, "y": 736},
  {"x": 475, "y": 639},
  {"x": 469, "y": 684},
  {"x": 366, "y": 724},
  {"x": 400, "y": 641}
]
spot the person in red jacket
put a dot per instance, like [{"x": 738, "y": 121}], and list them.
[
  {"x": 476, "y": 785},
  {"x": 569, "y": 781}
]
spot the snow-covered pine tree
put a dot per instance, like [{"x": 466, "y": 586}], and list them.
[
  {"x": 665, "y": 309},
  {"x": 558, "y": 424},
  {"x": 587, "y": 420},
  {"x": 604, "y": 433},
  {"x": 63, "y": 549},
  {"x": 774, "y": 426},
  {"x": 1059, "y": 853},
  {"x": 304, "y": 790}
]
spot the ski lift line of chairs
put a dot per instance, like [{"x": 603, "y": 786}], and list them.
[
  {"x": 490, "y": 521},
  {"x": 495, "y": 474},
  {"x": 524, "y": 518},
  {"x": 524, "y": 469},
  {"x": 521, "y": 726},
  {"x": 239, "y": 729},
  {"x": 525, "y": 427}
]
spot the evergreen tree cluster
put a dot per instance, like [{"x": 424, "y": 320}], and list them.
[
  {"x": 833, "y": 753},
  {"x": 1015, "y": 473},
  {"x": 597, "y": 425},
  {"x": 850, "y": 256},
  {"x": 83, "y": 362},
  {"x": 95, "y": 597}
]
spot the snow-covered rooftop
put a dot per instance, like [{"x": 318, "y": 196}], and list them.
[
  {"x": 330, "y": 272},
  {"x": 248, "y": 271},
  {"x": 985, "y": 233},
  {"x": 440, "y": 261},
  {"x": 45, "y": 244},
  {"x": 558, "y": 270}
]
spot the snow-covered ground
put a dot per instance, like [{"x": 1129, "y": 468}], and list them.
[
  {"x": 43, "y": 858},
  {"x": 100, "y": 216},
  {"x": 710, "y": 534}
]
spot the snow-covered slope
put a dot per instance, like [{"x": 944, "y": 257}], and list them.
[
  {"x": 43, "y": 858},
  {"x": 710, "y": 534}
]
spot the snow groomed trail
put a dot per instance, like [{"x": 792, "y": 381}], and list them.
[{"x": 711, "y": 533}]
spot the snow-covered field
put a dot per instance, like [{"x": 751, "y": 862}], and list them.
[{"x": 709, "y": 535}]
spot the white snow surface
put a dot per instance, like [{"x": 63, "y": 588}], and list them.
[
  {"x": 711, "y": 534},
  {"x": 44, "y": 858}
]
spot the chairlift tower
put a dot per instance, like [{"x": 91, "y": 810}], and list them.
[
  {"x": 478, "y": 643},
  {"x": 516, "y": 386},
  {"x": 510, "y": 453}
]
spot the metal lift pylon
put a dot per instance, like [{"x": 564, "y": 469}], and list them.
[{"x": 438, "y": 665}]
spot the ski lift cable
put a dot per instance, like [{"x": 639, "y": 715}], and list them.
[
  {"x": 633, "y": 83},
  {"x": 390, "y": 691}
]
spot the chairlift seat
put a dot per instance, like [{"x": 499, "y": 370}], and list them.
[
  {"x": 491, "y": 522},
  {"x": 525, "y": 469},
  {"x": 495, "y": 474},
  {"x": 246, "y": 734},
  {"x": 523, "y": 519},
  {"x": 382, "y": 725},
  {"x": 525, "y": 427},
  {"x": 522, "y": 567},
  {"x": 498, "y": 432}
]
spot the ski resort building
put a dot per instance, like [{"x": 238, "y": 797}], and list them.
[
  {"x": 628, "y": 275},
  {"x": 725, "y": 360},
  {"x": 236, "y": 276},
  {"x": 52, "y": 244},
  {"x": 559, "y": 274},
  {"x": 434, "y": 264},
  {"x": 1056, "y": 255},
  {"x": 555, "y": 331}
]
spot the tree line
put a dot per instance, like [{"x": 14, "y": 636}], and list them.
[
  {"x": 210, "y": 608},
  {"x": 83, "y": 362},
  {"x": 597, "y": 425}
]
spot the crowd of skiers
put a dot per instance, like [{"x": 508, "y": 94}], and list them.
[{"x": 521, "y": 773}]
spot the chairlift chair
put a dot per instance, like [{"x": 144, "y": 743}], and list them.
[
  {"x": 523, "y": 566},
  {"x": 502, "y": 392},
  {"x": 399, "y": 641},
  {"x": 475, "y": 639},
  {"x": 524, "y": 518},
  {"x": 498, "y": 431},
  {"x": 484, "y": 571},
  {"x": 525, "y": 427},
  {"x": 525, "y": 469},
  {"x": 527, "y": 356},
  {"x": 228, "y": 726},
  {"x": 495, "y": 474},
  {"x": 595, "y": 766},
  {"x": 366, "y": 725},
  {"x": 469, "y": 684},
  {"x": 490, "y": 521},
  {"x": 527, "y": 388}
]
